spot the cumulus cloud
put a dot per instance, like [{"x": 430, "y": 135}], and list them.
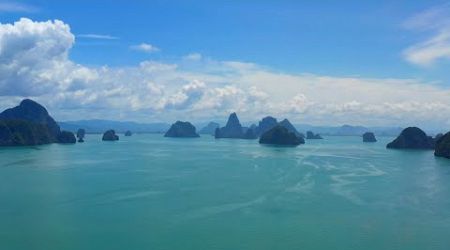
[
  {"x": 437, "y": 47},
  {"x": 34, "y": 62},
  {"x": 145, "y": 47}
]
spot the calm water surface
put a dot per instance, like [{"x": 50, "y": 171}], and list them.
[{"x": 150, "y": 192}]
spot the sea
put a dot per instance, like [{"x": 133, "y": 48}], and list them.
[{"x": 151, "y": 192}]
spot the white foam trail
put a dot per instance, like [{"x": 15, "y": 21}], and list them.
[
  {"x": 229, "y": 207},
  {"x": 303, "y": 186},
  {"x": 344, "y": 183}
]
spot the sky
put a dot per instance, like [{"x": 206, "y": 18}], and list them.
[{"x": 372, "y": 63}]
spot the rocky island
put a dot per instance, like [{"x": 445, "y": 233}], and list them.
[
  {"x": 182, "y": 129},
  {"x": 234, "y": 129},
  {"x": 281, "y": 136},
  {"x": 209, "y": 129},
  {"x": 80, "y": 134},
  {"x": 443, "y": 146},
  {"x": 288, "y": 125},
  {"x": 128, "y": 133},
  {"x": 266, "y": 124},
  {"x": 66, "y": 137},
  {"x": 110, "y": 135},
  {"x": 29, "y": 124},
  {"x": 412, "y": 138},
  {"x": 369, "y": 137},
  {"x": 311, "y": 136}
]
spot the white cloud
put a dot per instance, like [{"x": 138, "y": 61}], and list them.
[
  {"x": 145, "y": 47},
  {"x": 437, "y": 47},
  {"x": 98, "y": 36},
  {"x": 16, "y": 7},
  {"x": 193, "y": 57},
  {"x": 34, "y": 63}
]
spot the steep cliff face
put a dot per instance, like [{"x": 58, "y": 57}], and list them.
[
  {"x": 27, "y": 124},
  {"x": 233, "y": 128}
]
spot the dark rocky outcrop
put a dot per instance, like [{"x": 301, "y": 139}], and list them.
[
  {"x": 24, "y": 133},
  {"x": 369, "y": 137},
  {"x": 249, "y": 133},
  {"x": 288, "y": 125},
  {"x": 311, "y": 136},
  {"x": 437, "y": 137},
  {"x": 110, "y": 135},
  {"x": 280, "y": 135},
  {"x": 233, "y": 128},
  {"x": 209, "y": 129},
  {"x": 181, "y": 129},
  {"x": 442, "y": 148},
  {"x": 412, "y": 138},
  {"x": 27, "y": 124},
  {"x": 266, "y": 124},
  {"x": 66, "y": 137},
  {"x": 128, "y": 133},
  {"x": 80, "y": 134}
]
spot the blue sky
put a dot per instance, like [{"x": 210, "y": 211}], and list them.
[
  {"x": 327, "y": 37},
  {"x": 351, "y": 39}
]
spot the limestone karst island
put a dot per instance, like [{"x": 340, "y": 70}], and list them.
[{"x": 218, "y": 125}]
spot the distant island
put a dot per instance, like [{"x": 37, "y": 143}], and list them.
[
  {"x": 182, "y": 129},
  {"x": 234, "y": 129},
  {"x": 81, "y": 133},
  {"x": 311, "y": 136},
  {"x": 412, "y": 138},
  {"x": 110, "y": 135},
  {"x": 281, "y": 136},
  {"x": 29, "y": 124},
  {"x": 369, "y": 137},
  {"x": 209, "y": 129},
  {"x": 443, "y": 146}
]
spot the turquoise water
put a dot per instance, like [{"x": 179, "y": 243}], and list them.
[{"x": 151, "y": 192}]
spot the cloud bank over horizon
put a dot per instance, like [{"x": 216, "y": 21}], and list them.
[{"x": 35, "y": 63}]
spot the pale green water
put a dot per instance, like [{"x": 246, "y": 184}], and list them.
[{"x": 150, "y": 192}]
